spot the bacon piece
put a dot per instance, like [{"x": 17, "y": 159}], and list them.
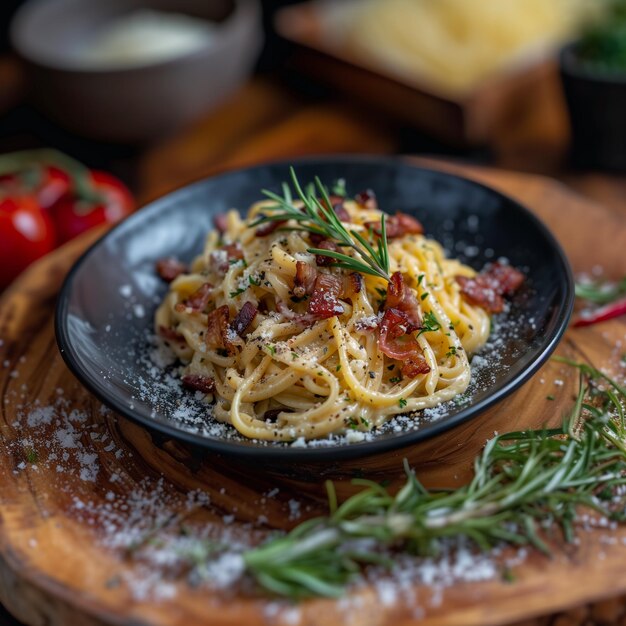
[
  {"x": 402, "y": 298},
  {"x": 170, "y": 268},
  {"x": 220, "y": 222},
  {"x": 268, "y": 228},
  {"x": 169, "y": 334},
  {"x": 244, "y": 318},
  {"x": 402, "y": 224},
  {"x": 326, "y": 244},
  {"x": 336, "y": 204},
  {"x": 272, "y": 414},
  {"x": 366, "y": 199},
  {"x": 195, "y": 382},
  {"x": 222, "y": 257},
  {"x": 217, "y": 333},
  {"x": 487, "y": 288},
  {"x": 198, "y": 300},
  {"x": 324, "y": 301},
  {"x": 305, "y": 319},
  {"x": 397, "y": 342},
  {"x": 356, "y": 282},
  {"x": 352, "y": 285},
  {"x": 398, "y": 225},
  {"x": 304, "y": 280}
]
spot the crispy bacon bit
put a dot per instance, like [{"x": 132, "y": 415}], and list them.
[
  {"x": 366, "y": 199},
  {"x": 169, "y": 334},
  {"x": 488, "y": 287},
  {"x": 198, "y": 300},
  {"x": 398, "y": 225},
  {"x": 304, "y": 280},
  {"x": 342, "y": 213},
  {"x": 271, "y": 415},
  {"x": 326, "y": 244},
  {"x": 244, "y": 318},
  {"x": 397, "y": 342},
  {"x": 336, "y": 204},
  {"x": 316, "y": 239},
  {"x": 402, "y": 224},
  {"x": 324, "y": 301},
  {"x": 217, "y": 333},
  {"x": 356, "y": 282},
  {"x": 352, "y": 285},
  {"x": 221, "y": 222},
  {"x": 195, "y": 382},
  {"x": 402, "y": 298},
  {"x": 222, "y": 257},
  {"x": 170, "y": 268},
  {"x": 268, "y": 228}
]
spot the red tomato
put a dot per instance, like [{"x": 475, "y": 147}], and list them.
[
  {"x": 112, "y": 202},
  {"x": 26, "y": 233},
  {"x": 48, "y": 182},
  {"x": 55, "y": 183}
]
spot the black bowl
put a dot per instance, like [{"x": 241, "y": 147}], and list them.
[
  {"x": 108, "y": 299},
  {"x": 596, "y": 101}
]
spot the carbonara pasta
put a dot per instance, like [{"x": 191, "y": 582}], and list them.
[{"x": 288, "y": 345}]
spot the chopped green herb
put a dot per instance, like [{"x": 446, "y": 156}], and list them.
[
  {"x": 550, "y": 397},
  {"x": 32, "y": 456},
  {"x": 254, "y": 281},
  {"x": 424, "y": 295},
  {"x": 234, "y": 294},
  {"x": 401, "y": 403},
  {"x": 339, "y": 188},
  {"x": 395, "y": 379},
  {"x": 429, "y": 324},
  {"x": 508, "y": 576},
  {"x": 352, "y": 423}
]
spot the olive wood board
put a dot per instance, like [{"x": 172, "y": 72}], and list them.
[{"x": 59, "y": 564}]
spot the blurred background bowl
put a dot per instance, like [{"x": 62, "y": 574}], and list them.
[
  {"x": 596, "y": 100},
  {"x": 139, "y": 102}
]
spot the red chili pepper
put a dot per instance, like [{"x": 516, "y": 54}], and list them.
[{"x": 607, "y": 312}]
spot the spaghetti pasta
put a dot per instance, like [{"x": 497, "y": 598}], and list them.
[{"x": 286, "y": 344}]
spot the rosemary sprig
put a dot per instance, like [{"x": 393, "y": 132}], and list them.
[
  {"x": 601, "y": 292},
  {"x": 522, "y": 481},
  {"x": 318, "y": 217}
]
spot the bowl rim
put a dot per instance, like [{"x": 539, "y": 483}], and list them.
[
  {"x": 332, "y": 453},
  {"x": 571, "y": 67},
  {"x": 244, "y": 12}
]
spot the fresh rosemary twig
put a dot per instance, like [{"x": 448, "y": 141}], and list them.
[
  {"x": 317, "y": 216},
  {"x": 522, "y": 480},
  {"x": 601, "y": 292}
]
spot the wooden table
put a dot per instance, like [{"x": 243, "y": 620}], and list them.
[{"x": 267, "y": 120}]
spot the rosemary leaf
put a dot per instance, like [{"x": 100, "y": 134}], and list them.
[{"x": 318, "y": 217}]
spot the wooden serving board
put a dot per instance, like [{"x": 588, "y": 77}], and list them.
[{"x": 87, "y": 498}]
